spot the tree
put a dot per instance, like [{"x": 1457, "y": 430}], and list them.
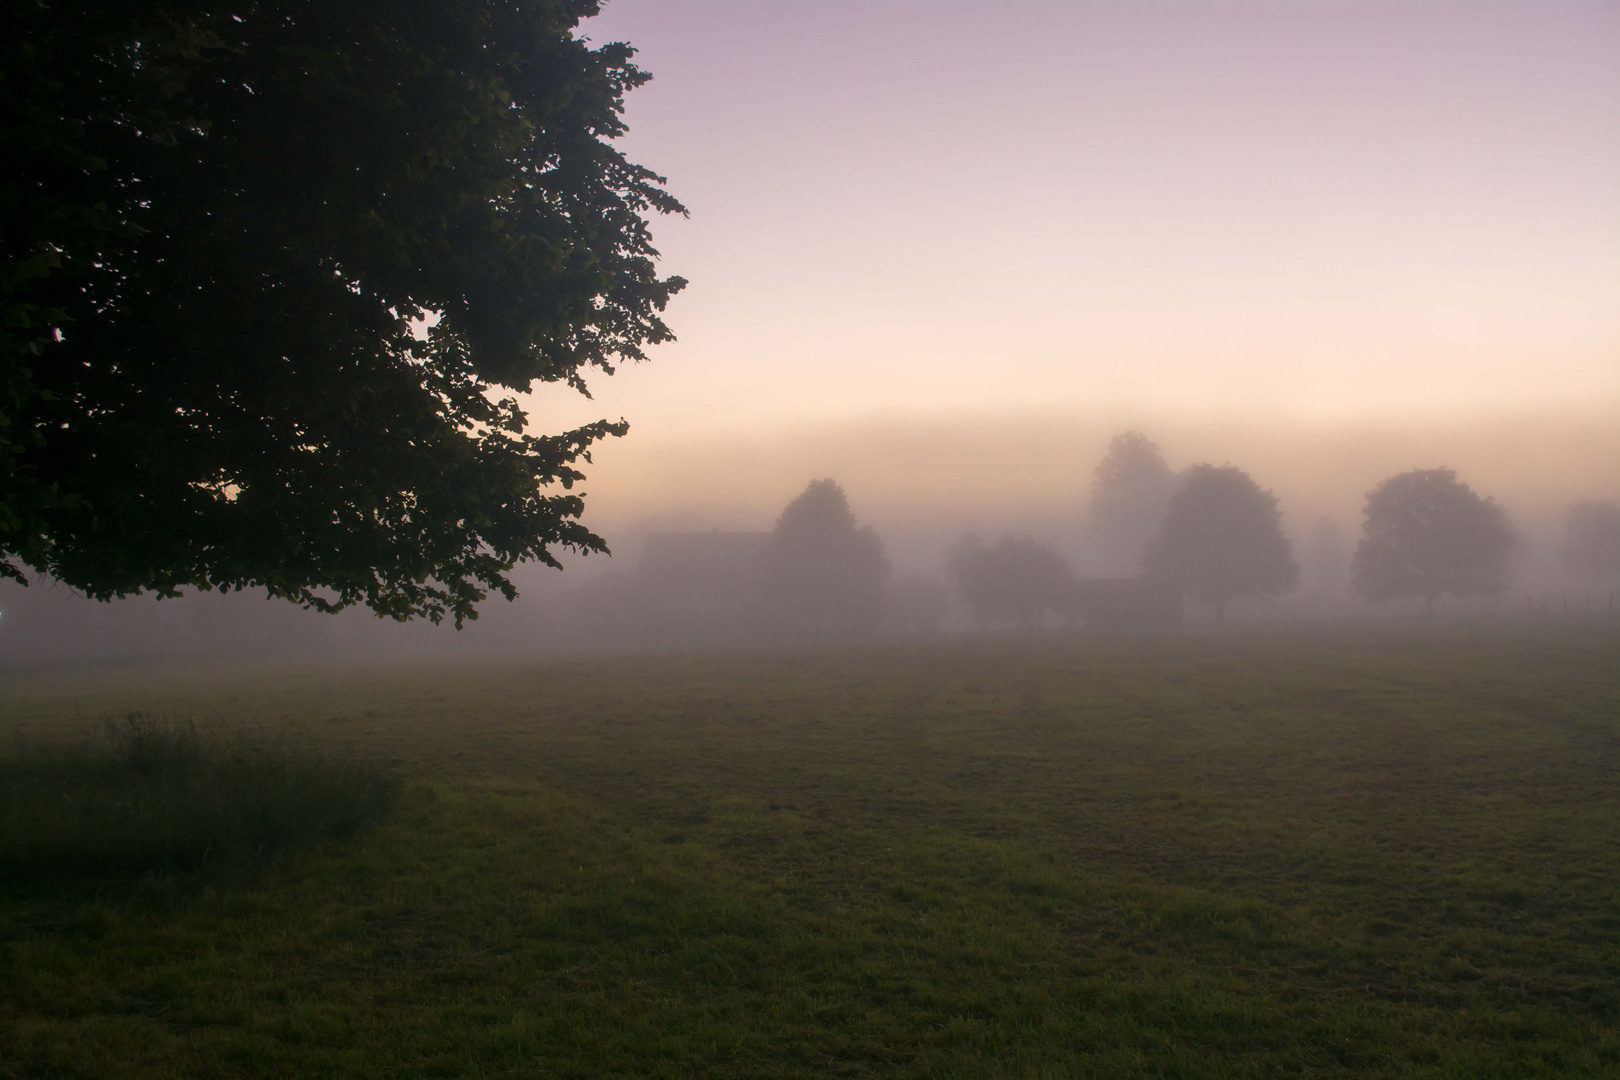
[
  {"x": 1426, "y": 533},
  {"x": 1592, "y": 542},
  {"x": 822, "y": 574},
  {"x": 271, "y": 274},
  {"x": 1130, "y": 490},
  {"x": 1015, "y": 578},
  {"x": 1222, "y": 538}
]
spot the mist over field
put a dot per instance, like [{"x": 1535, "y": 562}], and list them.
[{"x": 920, "y": 483}]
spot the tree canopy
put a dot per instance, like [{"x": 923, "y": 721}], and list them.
[
  {"x": 821, "y": 573},
  {"x": 1130, "y": 490},
  {"x": 1222, "y": 538},
  {"x": 1017, "y": 578},
  {"x": 272, "y": 272},
  {"x": 1426, "y": 533},
  {"x": 1592, "y": 542}
]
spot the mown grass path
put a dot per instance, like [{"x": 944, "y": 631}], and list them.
[{"x": 1348, "y": 852}]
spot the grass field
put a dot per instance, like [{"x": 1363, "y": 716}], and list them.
[{"x": 1337, "y": 852}]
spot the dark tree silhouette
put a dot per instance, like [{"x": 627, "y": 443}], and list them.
[
  {"x": 1130, "y": 491},
  {"x": 821, "y": 574},
  {"x": 1592, "y": 542},
  {"x": 1015, "y": 578},
  {"x": 1426, "y": 533},
  {"x": 223, "y": 230},
  {"x": 1222, "y": 538}
]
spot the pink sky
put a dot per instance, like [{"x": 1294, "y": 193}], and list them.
[
  {"x": 1326, "y": 216},
  {"x": 1318, "y": 209}
]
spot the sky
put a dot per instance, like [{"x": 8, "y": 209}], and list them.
[
  {"x": 1321, "y": 211},
  {"x": 1323, "y": 218}
]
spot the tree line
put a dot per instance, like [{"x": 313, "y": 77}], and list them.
[{"x": 1210, "y": 534}]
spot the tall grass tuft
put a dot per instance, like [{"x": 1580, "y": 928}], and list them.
[{"x": 153, "y": 793}]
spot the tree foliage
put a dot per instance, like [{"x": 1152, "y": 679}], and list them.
[
  {"x": 821, "y": 573},
  {"x": 1426, "y": 533},
  {"x": 1015, "y": 578},
  {"x": 1130, "y": 490},
  {"x": 1592, "y": 542},
  {"x": 226, "y": 224},
  {"x": 1222, "y": 538}
]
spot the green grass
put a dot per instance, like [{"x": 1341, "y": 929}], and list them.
[
  {"x": 1282, "y": 853},
  {"x": 151, "y": 793}
]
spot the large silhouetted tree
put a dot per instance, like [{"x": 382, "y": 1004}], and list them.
[
  {"x": 1426, "y": 533},
  {"x": 224, "y": 229},
  {"x": 1015, "y": 578},
  {"x": 1222, "y": 538},
  {"x": 821, "y": 573},
  {"x": 1130, "y": 491},
  {"x": 1592, "y": 542}
]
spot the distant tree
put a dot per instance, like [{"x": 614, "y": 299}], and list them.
[
  {"x": 917, "y": 605},
  {"x": 1222, "y": 538},
  {"x": 1592, "y": 542},
  {"x": 1015, "y": 578},
  {"x": 1426, "y": 533},
  {"x": 225, "y": 230},
  {"x": 821, "y": 573},
  {"x": 1130, "y": 491}
]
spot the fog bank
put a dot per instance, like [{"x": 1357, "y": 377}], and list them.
[{"x": 920, "y": 483}]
